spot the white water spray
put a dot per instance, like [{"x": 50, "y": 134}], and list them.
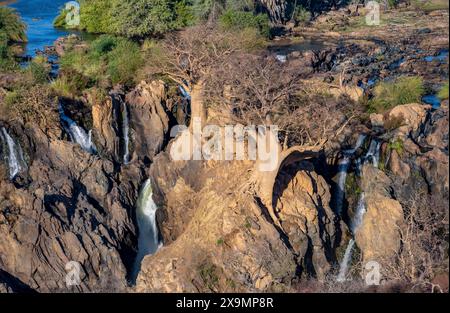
[
  {"x": 343, "y": 167},
  {"x": 346, "y": 261},
  {"x": 16, "y": 161},
  {"x": 373, "y": 156},
  {"x": 185, "y": 93},
  {"x": 77, "y": 134},
  {"x": 148, "y": 241}
]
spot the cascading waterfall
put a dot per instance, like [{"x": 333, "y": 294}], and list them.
[
  {"x": 373, "y": 156},
  {"x": 15, "y": 157},
  {"x": 148, "y": 241},
  {"x": 77, "y": 134},
  {"x": 125, "y": 133},
  {"x": 343, "y": 166}
]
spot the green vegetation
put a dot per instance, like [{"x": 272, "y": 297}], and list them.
[
  {"x": 208, "y": 273},
  {"x": 106, "y": 61},
  {"x": 403, "y": 90},
  {"x": 397, "y": 145},
  {"x": 132, "y": 18},
  {"x": 302, "y": 15},
  {"x": 12, "y": 29},
  {"x": 352, "y": 188},
  {"x": 430, "y": 5},
  {"x": 443, "y": 93},
  {"x": 240, "y": 20},
  {"x": 153, "y": 18}
]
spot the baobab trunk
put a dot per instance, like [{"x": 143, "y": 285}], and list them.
[
  {"x": 198, "y": 109},
  {"x": 277, "y": 10}
]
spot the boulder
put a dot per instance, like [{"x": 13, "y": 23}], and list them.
[{"x": 413, "y": 116}]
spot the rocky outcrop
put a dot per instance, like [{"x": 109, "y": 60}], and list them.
[
  {"x": 421, "y": 147},
  {"x": 72, "y": 209},
  {"x": 148, "y": 119},
  {"x": 378, "y": 236},
  {"x": 106, "y": 118},
  {"x": 412, "y": 117},
  {"x": 220, "y": 236},
  {"x": 302, "y": 206}
]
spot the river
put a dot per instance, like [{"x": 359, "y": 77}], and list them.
[{"x": 39, "y": 16}]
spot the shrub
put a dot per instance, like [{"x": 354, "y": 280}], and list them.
[
  {"x": 240, "y": 20},
  {"x": 124, "y": 61},
  {"x": 302, "y": 15},
  {"x": 443, "y": 93},
  {"x": 32, "y": 104},
  {"x": 141, "y": 18},
  {"x": 397, "y": 145},
  {"x": 38, "y": 71},
  {"x": 403, "y": 90},
  {"x": 107, "y": 60},
  {"x": 12, "y": 28},
  {"x": 69, "y": 84},
  {"x": 95, "y": 16}
]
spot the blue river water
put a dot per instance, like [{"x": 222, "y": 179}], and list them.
[{"x": 39, "y": 16}]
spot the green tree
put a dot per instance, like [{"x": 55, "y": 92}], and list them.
[
  {"x": 11, "y": 26},
  {"x": 141, "y": 18}
]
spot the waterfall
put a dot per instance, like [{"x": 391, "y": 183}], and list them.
[
  {"x": 343, "y": 170},
  {"x": 281, "y": 58},
  {"x": 77, "y": 134},
  {"x": 15, "y": 157},
  {"x": 125, "y": 133},
  {"x": 346, "y": 261},
  {"x": 343, "y": 167},
  {"x": 373, "y": 156},
  {"x": 185, "y": 93},
  {"x": 148, "y": 241},
  {"x": 359, "y": 214}
]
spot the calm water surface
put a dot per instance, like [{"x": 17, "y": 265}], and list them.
[{"x": 39, "y": 16}]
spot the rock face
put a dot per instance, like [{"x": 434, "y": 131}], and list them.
[
  {"x": 148, "y": 119},
  {"x": 72, "y": 209},
  {"x": 378, "y": 236},
  {"x": 221, "y": 237},
  {"x": 302, "y": 205},
  {"x": 422, "y": 149},
  {"x": 106, "y": 117}
]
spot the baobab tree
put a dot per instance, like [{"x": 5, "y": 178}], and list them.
[
  {"x": 260, "y": 90},
  {"x": 189, "y": 57}
]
